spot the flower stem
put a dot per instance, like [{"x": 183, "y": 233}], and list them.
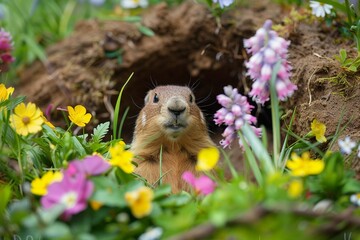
[{"x": 275, "y": 116}]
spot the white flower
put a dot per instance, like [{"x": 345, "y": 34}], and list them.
[
  {"x": 355, "y": 199},
  {"x": 320, "y": 9},
  {"x": 152, "y": 234},
  {"x": 224, "y": 3},
  {"x": 134, "y": 3},
  {"x": 346, "y": 145}
]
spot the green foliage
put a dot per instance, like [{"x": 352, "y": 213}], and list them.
[
  {"x": 239, "y": 208},
  {"x": 348, "y": 64},
  {"x": 352, "y": 24}
]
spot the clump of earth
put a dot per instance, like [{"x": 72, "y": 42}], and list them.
[{"x": 190, "y": 48}]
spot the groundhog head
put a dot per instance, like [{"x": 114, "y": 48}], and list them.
[{"x": 171, "y": 110}]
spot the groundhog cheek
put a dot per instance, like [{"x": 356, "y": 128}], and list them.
[{"x": 143, "y": 119}]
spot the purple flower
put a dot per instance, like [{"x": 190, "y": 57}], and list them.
[
  {"x": 202, "y": 185},
  {"x": 224, "y": 3},
  {"x": 267, "y": 48},
  {"x": 5, "y": 47},
  {"x": 235, "y": 112},
  {"x": 72, "y": 192},
  {"x": 90, "y": 165}
]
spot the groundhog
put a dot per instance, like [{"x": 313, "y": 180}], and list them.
[{"x": 172, "y": 124}]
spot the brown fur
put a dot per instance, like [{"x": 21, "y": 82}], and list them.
[{"x": 179, "y": 149}]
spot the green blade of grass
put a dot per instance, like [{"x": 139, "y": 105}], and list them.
[
  {"x": 260, "y": 151},
  {"x": 252, "y": 161},
  {"x": 283, "y": 149},
  {"x": 117, "y": 108},
  {"x": 230, "y": 165},
  {"x": 123, "y": 121}
]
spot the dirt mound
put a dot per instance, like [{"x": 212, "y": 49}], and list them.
[{"x": 189, "y": 48}]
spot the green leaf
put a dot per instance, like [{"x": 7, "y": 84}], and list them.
[
  {"x": 12, "y": 102},
  {"x": 259, "y": 150},
  {"x": 49, "y": 216},
  {"x": 353, "y": 68},
  {"x": 107, "y": 192},
  {"x": 146, "y": 31},
  {"x": 49, "y": 132},
  {"x": 100, "y": 131},
  {"x": 123, "y": 177},
  {"x": 57, "y": 230},
  {"x": 162, "y": 191},
  {"x": 5, "y": 193},
  {"x": 78, "y": 146},
  {"x": 351, "y": 186},
  {"x": 332, "y": 177},
  {"x": 343, "y": 55},
  {"x": 176, "y": 200},
  {"x": 131, "y": 19},
  {"x": 38, "y": 51}
]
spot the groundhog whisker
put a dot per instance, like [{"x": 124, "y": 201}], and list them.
[
  {"x": 208, "y": 105},
  {"x": 138, "y": 106},
  {"x": 204, "y": 99}
]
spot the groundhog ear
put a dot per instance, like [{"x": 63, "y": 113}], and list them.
[{"x": 147, "y": 97}]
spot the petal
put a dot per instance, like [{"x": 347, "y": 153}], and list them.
[
  {"x": 20, "y": 109},
  {"x": 79, "y": 109},
  {"x": 71, "y": 110},
  {"x": 86, "y": 118},
  {"x": 189, "y": 178},
  {"x": 204, "y": 185}
]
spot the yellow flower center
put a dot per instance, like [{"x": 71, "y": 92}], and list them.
[
  {"x": 69, "y": 199},
  {"x": 26, "y": 120}
]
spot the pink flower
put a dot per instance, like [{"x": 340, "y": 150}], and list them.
[
  {"x": 72, "y": 193},
  {"x": 90, "y": 165},
  {"x": 5, "y": 47},
  {"x": 202, "y": 185},
  {"x": 267, "y": 48},
  {"x": 235, "y": 112}
]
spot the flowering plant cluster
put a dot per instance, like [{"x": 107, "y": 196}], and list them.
[
  {"x": 268, "y": 49},
  {"x": 235, "y": 112},
  {"x": 6, "y": 46}
]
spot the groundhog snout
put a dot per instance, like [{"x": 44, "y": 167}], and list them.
[{"x": 176, "y": 107}]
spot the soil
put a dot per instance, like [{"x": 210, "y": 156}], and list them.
[{"x": 190, "y": 48}]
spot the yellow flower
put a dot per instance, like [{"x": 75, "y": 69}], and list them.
[
  {"x": 79, "y": 115},
  {"x": 95, "y": 205},
  {"x": 47, "y": 122},
  {"x": 318, "y": 130},
  {"x": 121, "y": 157},
  {"x": 304, "y": 166},
  {"x": 39, "y": 185},
  {"x": 207, "y": 159},
  {"x": 5, "y": 92},
  {"x": 26, "y": 119},
  {"x": 140, "y": 201},
  {"x": 295, "y": 188}
]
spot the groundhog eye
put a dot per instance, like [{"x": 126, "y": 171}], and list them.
[
  {"x": 191, "y": 98},
  {"x": 156, "y": 98}
]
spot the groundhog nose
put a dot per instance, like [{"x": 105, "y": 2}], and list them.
[{"x": 177, "y": 111}]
